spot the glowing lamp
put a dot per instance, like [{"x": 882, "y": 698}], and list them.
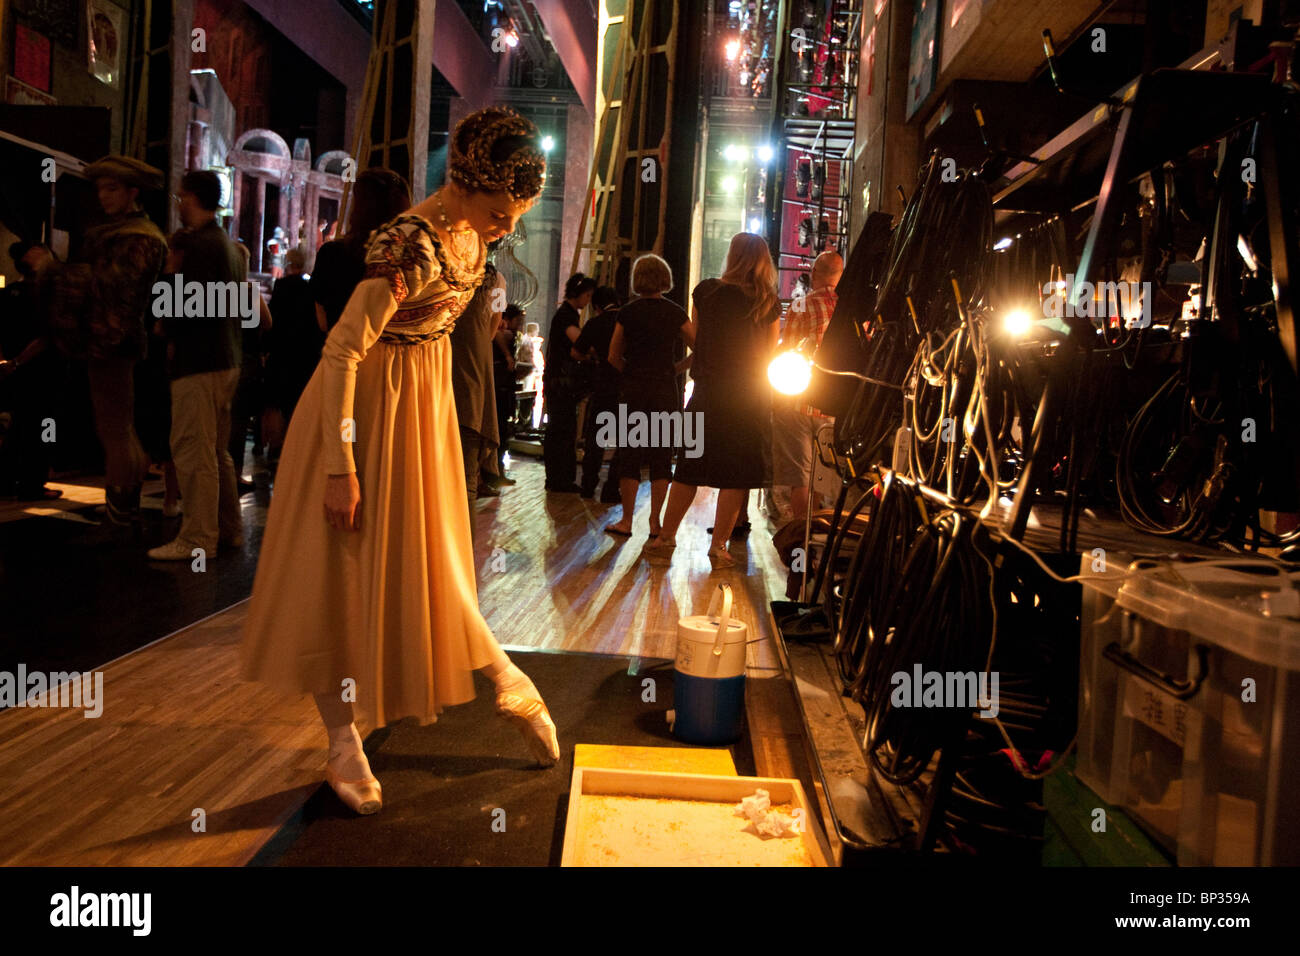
[
  {"x": 1017, "y": 323},
  {"x": 790, "y": 372}
]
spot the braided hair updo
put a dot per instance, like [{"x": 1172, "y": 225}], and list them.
[{"x": 497, "y": 150}]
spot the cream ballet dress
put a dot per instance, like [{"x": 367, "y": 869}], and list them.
[{"x": 393, "y": 606}]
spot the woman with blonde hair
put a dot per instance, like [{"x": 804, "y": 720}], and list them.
[{"x": 735, "y": 328}]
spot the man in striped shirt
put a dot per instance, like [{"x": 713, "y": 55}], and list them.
[{"x": 793, "y": 423}]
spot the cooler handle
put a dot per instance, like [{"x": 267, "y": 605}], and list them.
[
  {"x": 1180, "y": 690},
  {"x": 725, "y": 591}
]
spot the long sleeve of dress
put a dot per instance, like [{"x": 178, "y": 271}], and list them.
[
  {"x": 400, "y": 263},
  {"x": 358, "y": 328}
]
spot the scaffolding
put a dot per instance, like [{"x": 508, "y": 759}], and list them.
[{"x": 819, "y": 107}]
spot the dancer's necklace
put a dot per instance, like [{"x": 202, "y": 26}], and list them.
[{"x": 456, "y": 235}]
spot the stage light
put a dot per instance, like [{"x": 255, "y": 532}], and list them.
[
  {"x": 765, "y": 154},
  {"x": 1017, "y": 323},
  {"x": 733, "y": 153},
  {"x": 755, "y": 224},
  {"x": 728, "y": 184},
  {"x": 548, "y": 144},
  {"x": 790, "y": 373},
  {"x": 733, "y": 49},
  {"x": 1003, "y": 243}
]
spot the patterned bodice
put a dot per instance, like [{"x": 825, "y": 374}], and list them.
[{"x": 431, "y": 291}]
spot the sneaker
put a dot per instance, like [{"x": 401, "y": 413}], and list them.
[{"x": 174, "y": 550}]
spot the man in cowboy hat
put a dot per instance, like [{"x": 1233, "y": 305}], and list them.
[{"x": 98, "y": 306}]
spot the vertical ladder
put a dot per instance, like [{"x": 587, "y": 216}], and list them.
[
  {"x": 606, "y": 232},
  {"x": 393, "y": 126}
]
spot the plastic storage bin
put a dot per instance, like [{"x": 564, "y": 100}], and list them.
[{"x": 1168, "y": 729}]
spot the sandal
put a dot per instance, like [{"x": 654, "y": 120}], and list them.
[
  {"x": 658, "y": 551},
  {"x": 721, "y": 559}
]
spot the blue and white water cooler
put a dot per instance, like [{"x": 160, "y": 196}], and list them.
[{"x": 709, "y": 675}]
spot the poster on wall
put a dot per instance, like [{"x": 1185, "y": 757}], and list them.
[
  {"x": 32, "y": 58},
  {"x": 105, "y": 41},
  {"x": 18, "y": 93},
  {"x": 924, "y": 60}
]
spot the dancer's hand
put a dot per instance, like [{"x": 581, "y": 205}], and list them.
[{"x": 343, "y": 502}]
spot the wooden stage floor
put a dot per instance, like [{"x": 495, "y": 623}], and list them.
[{"x": 181, "y": 738}]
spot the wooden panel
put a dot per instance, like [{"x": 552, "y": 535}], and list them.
[
  {"x": 662, "y": 759},
  {"x": 685, "y": 786},
  {"x": 179, "y": 733},
  {"x": 1006, "y": 42}
]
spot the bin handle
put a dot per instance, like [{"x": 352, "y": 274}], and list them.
[
  {"x": 725, "y": 591},
  {"x": 1180, "y": 690}
]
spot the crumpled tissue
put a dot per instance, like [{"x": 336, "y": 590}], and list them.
[{"x": 766, "y": 820}]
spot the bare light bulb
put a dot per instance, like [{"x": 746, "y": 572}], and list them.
[
  {"x": 790, "y": 373},
  {"x": 1017, "y": 322}
]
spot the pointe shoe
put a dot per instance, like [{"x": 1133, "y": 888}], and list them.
[
  {"x": 361, "y": 796},
  {"x": 533, "y": 721}
]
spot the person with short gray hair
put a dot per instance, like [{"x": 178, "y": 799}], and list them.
[{"x": 642, "y": 349}]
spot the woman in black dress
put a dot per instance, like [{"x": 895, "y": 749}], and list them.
[
  {"x": 642, "y": 349},
  {"x": 736, "y": 335}
]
